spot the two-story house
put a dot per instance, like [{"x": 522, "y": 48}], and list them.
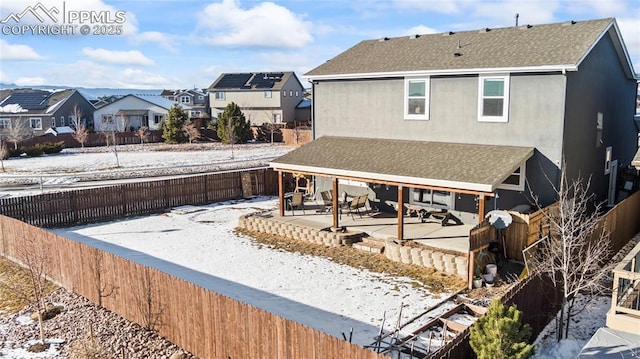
[
  {"x": 131, "y": 112},
  {"x": 196, "y": 99},
  {"x": 263, "y": 97},
  {"x": 39, "y": 110},
  {"x": 474, "y": 120}
]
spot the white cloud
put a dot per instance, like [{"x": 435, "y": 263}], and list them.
[
  {"x": 30, "y": 81},
  {"x": 421, "y": 30},
  {"x": 132, "y": 57},
  {"x": 265, "y": 25},
  {"x": 164, "y": 40},
  {"x": 445, "y": 7},
  {"x": 17, "y": 52},
  {"x": 630, "y": 31}
]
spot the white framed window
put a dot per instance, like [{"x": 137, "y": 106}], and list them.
[
  {"x": 284, "y": 93},
  {"x": 290, "y": 93},
  {"x": 277, "y": 118},
  {"x": 200, "y": 97},
  {"x": 268, "y": 94},
  {"x": 432, "y": 198},
  {"x": 219, "y": 95},
  {"x": 607, "y": 160},
  {"x": 493, "y": 98},
  {"x": 62, "y": 123},
  {"x": 71, "y": 120},
  {"x": 185, "y": 99},
  {"x": 53, "y": 122},
  {"x": 107, "y": 119},
  {"x": 5, "y": 123},
  {"x": 157, "y": 119},
  {"x": 515, "y": 181},
  {"x": 35, "y": 123},
  {"x": 195, "y": 113},
  {"x": 297, "y": 93},
  {"x": 416, "y": 98}
]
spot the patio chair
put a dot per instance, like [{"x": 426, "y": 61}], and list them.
[
  {"x": 296, "y": 201},
  {"x": 357, "y": 203},
  {"x": 327, "y": 201}
]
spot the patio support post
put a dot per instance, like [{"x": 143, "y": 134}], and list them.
[
  {"x": 281, "y": 193},
  {"x": 481, "y": 204},
  {"x": 471, "y": 269},
  {"x": 335, "y": 202},
  {"x": 400, "y": 213}
]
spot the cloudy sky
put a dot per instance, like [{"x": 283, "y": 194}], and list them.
[{"x": 188, "y": 43}]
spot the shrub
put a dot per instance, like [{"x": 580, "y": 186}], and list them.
[
  {"x": 14, "y": 153},
  {"x": 500, "y": 334},
  {"x": 33, "y": 151},
  {"x": 49, "y": 147}
]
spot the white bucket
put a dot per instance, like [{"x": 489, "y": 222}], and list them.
[{"x": 492, "y": 269}]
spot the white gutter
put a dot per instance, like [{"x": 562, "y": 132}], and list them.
[
  {"x": 473, "y": 71},
  {"x": 479, "y": 187}
]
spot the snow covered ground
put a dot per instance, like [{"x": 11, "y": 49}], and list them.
[{"x": 314, "y": 291}]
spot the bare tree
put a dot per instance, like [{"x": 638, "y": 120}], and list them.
[
  {"x": 576, "y": 253},
  {"x": 18, "y": 131},
  {"x": 143, "y": 133},
  {"x": 4, "y": 152},
  {"x": 110, "y": 138},
  {"x": 122, "y": 122},
  {"x": 148, "y": 302},
  {"x": 81, "y": 133},
  {"x": 191, "y": 131},
  {"x": 36, "y": 259}
]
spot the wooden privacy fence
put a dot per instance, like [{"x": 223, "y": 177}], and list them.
[
  {"x": 67, "y": 208},
  {"x": 202, "y": 321}
]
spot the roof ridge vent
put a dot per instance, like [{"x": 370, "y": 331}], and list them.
[
  {"x": 524, "y": 27},
  {"x": 414, "y": 36},
  {"x": 384, "y": 39},
  {"x": 572, "y": 22}
]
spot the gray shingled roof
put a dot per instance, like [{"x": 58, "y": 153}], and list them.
[
  {"x": 454, "y": 165},
  {"x": 512, "y": 47}
]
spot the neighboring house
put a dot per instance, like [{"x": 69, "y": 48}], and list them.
[
  {"x": 621, "y": 336},
  {"x": 39, "y": 110},
  {"x": 131, "y": 112},
  {"x": 263, "y": 97},
  {"x": 197, "y": 100},
  {"x": 456, "y": 118}
]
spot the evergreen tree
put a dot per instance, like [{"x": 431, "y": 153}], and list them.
[
  {"x": 233, "y": 127},
  {"x": 500, "y": 334},
  {"x": 172, "y": 128}
]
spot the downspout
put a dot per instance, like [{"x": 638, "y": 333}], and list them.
[{"x": 564, "y": 121}]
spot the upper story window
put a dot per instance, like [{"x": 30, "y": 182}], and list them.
[
  {"x": 297, "y": 93},
  {"x": 62, "y": 121},
  {"x": 290, "y": 93},
  {"x": 416, "y": 98},
  {"x": 219, "y": 95},
  {"x": 35, "y": 123},
  {"x": 267, "y": 94},
  {"x": 53, "y": 121},
  {"x": 515, "y": 181},
  {"x": 493, "y": 99},
  {"x": 157, "y": 119},
  {"x": 185, "y": 99},
  {"x": 284, "y": 93},
  {"x": 607, "y": 160},
  {"x": 200, "y": 97},
  {"x": 5, "y": 123}
]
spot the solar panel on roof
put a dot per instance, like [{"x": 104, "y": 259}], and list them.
[
  {"x": 233, "y": 81},
  {"x": 28, "y": 100},
  {"x": 266, "y": 80}
]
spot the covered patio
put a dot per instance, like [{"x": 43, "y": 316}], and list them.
[{"x": 469, "y": 169}]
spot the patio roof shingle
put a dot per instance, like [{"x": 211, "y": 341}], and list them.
[{"x": 469, "y": 167}]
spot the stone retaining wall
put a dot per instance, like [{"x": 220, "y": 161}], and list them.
[
  {"x": 255, "y": 222},
  {"x": 444, "y": 262}
]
